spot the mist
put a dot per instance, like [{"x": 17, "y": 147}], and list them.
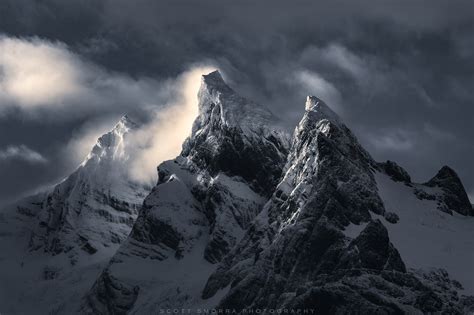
[{"x": 162, "y": 138}]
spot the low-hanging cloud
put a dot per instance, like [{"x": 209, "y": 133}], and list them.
[
  {"x": 46, "y": 80},
  {"x": 37, "y": 73},
  {"x": 317, "y": 85}
]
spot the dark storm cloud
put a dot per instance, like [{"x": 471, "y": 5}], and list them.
[{"x": 400, "y": 73}]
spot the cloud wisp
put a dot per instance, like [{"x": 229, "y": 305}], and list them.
[
  {"x": 22, "y": 153},
  {"x": 162, "y": 138}
]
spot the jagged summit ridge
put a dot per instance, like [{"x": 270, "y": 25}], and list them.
[{"x": 111, "y": 145}]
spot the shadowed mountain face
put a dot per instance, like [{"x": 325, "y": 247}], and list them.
[{"x": 247, "y": 217}]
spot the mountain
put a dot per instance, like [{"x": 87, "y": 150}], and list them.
[
  {"x": 343, "y": 233},
  {"x": 204, "y": 201},
  {"x": 244, "y": 219},
  {"x": 54, "y": 244}
]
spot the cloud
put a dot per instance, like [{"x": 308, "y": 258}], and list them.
[
  {"x": 46, "y": 80},
  {"x": 38, "y": 73},
  {"x": 393, "y": 140},
  {"x": 162, "y": 138},
  {"x": 22, "y": 152},
  {"x": 318, "y": 86}
]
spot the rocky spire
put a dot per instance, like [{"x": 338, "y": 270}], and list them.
[
  {"x": 320, "y": 110},
  {"x": 455, "y": 196},
  {"x": 221, "y": 107}
]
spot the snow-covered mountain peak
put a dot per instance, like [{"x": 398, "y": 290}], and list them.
[
  {"x": 111, "y": 146},
  {"x": 320, "y": 121},
  {"x": 214, "y": 81},
  {"x": 98, "y": 193},
  {"x": 318, "y": 110},
  {"x": 220, "y": 104}
]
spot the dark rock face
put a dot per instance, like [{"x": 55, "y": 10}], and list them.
[
  {"x": 391, "y": 217},
  {"x": 395, "y": 171},
  {"x": 372, "y": 250},
  {"x": 387, "y": 292},
  {"x": 156, "y": 232},
  {"x": 111, "y": 296},
  {"x": 455, "y": 197}
]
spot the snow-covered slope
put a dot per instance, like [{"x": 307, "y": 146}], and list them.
[
  {"x": 426, "y": 237},
  {"x": 204, "y": 201},
  {"x": 54, "y": 244}
]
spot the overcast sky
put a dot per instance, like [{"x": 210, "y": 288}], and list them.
[{"x": 400, "y": 73}]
